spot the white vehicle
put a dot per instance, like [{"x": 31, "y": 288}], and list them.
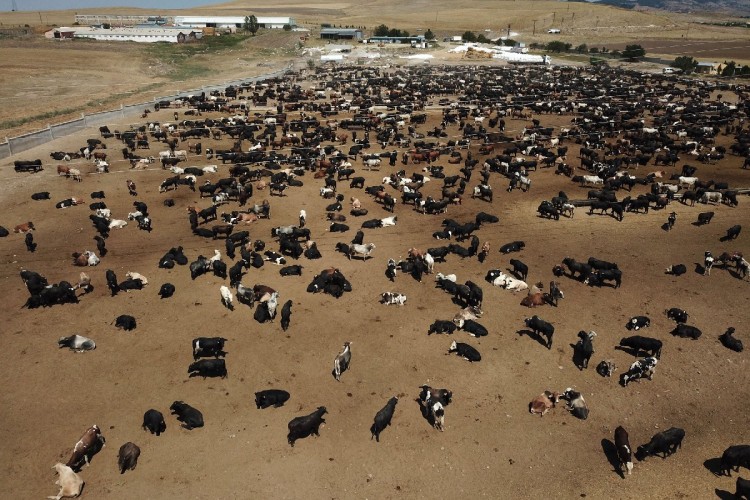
[{"x": 553, "y": 31}]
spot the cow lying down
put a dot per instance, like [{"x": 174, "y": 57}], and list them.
[{"x": 391, "y": 298}]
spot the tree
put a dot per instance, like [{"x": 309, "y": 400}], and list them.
[
  {"x": 582, "y": 49},
  {"x": 558, "y": 46},
  {"x": 287, "y": 27},
  {"x": 685, "y": 63},
  {"x": 251, "y": 24},
  {"x": 429, "y": 35},
  {"x": 745, "y": 70},
  {"x": 633, "y": 52},
  {"x": 468, "y": 36},
  {"x": 381, "y": 30},
  {"x": 729, "y": 68},
  {"x": 483, "y": 39}
]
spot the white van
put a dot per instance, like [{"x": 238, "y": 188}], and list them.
[
  {"x": 553, "y": 31},
  {"x": 668, "y": 71}
]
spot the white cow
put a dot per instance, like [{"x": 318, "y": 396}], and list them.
[
  {"x": 70, "y": 483},
  {"x": 226, "y": 297},
  {"x": 363, "y": 250},
  {"x": 711, "y": 197},
  {"x": 136, "y": 276},
  {"x": 117, "y": 224},
  {"x": 687, "y": 182},
  {"x": 594, "y": 180},
  {"x": 393, "y": 298},
  {"x": 389, "y": 221}
]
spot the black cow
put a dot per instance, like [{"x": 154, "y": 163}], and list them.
[
  {"x": 686, "y": 331},
  {"x": 442, "y": 326},
  {"x": 624, "y": 451},
  {"x": 466, "y": 351},
  {"x": 735, "y": 457},
  {"x": 520, "y": 269},
  {"x": 514, "y": 246},
  {"x": 677, "y": 315},
  {"x": 676, "y": 269},
  {"x": 601, "y": 265},
  {"x": 574, "y": 267},
  {"x": 646, "y": 344},
  {"x": 29, "y": 240},
  {"x": 189, "y": 416},
  {"x": 383, "y": 418},
  {"x": 219, "y": 268},
  {"x": 130, "y": 284},
  {"x": 126, "y": 322},
  {"x": 733, "y": 232},
  {"x": 743, "y": 485},
  {"x": 301, "y": 427},
  {"x": 112, "y": 282},
  {"x": 335, "y": 227},
  {"x": 166, "y": 290},
  {"x": 584, "y": 348},
  {"x": 204, "y": 347},
  {"x": 44, "y": 195},
  {"x": 473, "y": 328},
  {"x": 541, "y": 328},
  {"x": 727, "y": 340},
  {"x": 295, "y": 270},
  {"x": 208, "y": 368},
  {"x": 666, "y": 443},
  {"x": 704, "y": 218},
  {"x": 100, "y": 246},
  {"x": 286, "y": 314},
  {"x": 638, "y": 322},
  {"x": 271, "y": 397},
  {"x": 153, "y": 420}
]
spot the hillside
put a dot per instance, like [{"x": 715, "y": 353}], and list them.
[{"x": 733, "y": 7}]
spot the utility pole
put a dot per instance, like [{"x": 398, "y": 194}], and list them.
[
  {"x": 15, "y": 6},
  {"x": 508, "y": 31},
  {"x": 534, "y": 31}
]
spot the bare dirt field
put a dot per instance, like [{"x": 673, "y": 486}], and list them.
[
  {"x": 737, "y": 50},
  {"x": 491, "y": 446}
]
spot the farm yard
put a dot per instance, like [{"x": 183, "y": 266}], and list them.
[{"x": 487, "y": 126}]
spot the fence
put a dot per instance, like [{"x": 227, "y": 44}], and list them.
[{"x": 16, "y": 145}]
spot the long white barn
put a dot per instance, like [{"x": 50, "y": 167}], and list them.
[
  {"x": 147, "y": 35},
  {"x": 232, "y": 22}
]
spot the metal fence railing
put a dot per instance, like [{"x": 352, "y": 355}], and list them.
[{"x": 16, "y": 145}]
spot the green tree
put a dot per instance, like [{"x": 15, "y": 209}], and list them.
[
  {"x": 745, "y": 70},
  {"x": 429, "y": 35},
  {"x": 729, "y": 68},
  {"x": 685, "y": 63},
  {"x": 633, "y": 52},
  {"x": 594, "y": 50},
  {"x": 468, "y": 36},
  {"x": 483, "y": 39},
  {"x": 582, "y": 49},
  {"x": 251, "y": 24},
  {"x": 558, "y": 46},
  {"x": 287, "y": 27},
  {"x": 381, "y": 30}
]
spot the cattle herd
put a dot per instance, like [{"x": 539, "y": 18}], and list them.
[{"x": 342, "y": 191}]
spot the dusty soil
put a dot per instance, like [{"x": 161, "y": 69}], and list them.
[{"x": 491, "y": 447}]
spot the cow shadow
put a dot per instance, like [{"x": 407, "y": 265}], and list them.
[
  {"x": 610, "y": 451},
  {"x": 699, "y": 269},
  {"x": 426, "y": 413},
  {"x": 536, "y": 336},
  {"x": 724, "y": 495},
  {"x": 629, "y": 350},
  {"x": 697, "y": 224},
  {"x": 724, "y": 239},
  {"x": 713, "y": 465}
]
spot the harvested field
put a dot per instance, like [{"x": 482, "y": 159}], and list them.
[{"x": 491, "y": 446}]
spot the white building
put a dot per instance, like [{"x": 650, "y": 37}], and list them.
[
  {"x": 147, "y": 35},
  {"x": 232, "y": 22}
]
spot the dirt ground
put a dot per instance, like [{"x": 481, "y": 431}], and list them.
[{"x": 491, "y": 446}]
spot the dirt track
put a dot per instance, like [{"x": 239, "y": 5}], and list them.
[{"x": 491, "y": 447}]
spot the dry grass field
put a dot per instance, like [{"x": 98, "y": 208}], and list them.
[{"x": 491, "y": 447}]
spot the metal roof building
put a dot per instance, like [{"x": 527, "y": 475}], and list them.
[
  {"x": 148, "y": 35},
  {"x": 232, "y": 22},
  {"x": 341, "y": 33}
]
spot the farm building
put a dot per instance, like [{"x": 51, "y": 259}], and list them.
[
  {"x": 61, "y": 33},
  {"x": 232, "y": 22},
  {"x": 418, "y": 40},
  {"x": 146, "y": 35},
  {"x": 118, "y": 20},
  {"x": 341, "y": 34},
  {"x": 708, "y": 68}
]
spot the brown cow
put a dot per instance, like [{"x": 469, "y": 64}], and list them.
[
  {"x": 24, "y": 228},
  {"x": 63, "y": 170},
  {"x": 89, "y": 445},
  {"x": 542, "y": 403},
  {"x": 415, "y": 253},
  {"x": 99, "y": 155},
  {"x": 131, "y": 187},
  {"x": 342, "y": 138},
  {"x": 127, "y": 459},
  {"x": 534, "y": 300}
]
